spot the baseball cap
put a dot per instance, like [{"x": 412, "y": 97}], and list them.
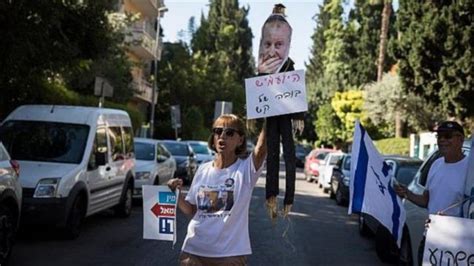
[{"x": 450, "y": 126}]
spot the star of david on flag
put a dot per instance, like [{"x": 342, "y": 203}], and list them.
[{"x": 371, "y": 189}]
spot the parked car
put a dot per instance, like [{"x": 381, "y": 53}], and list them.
[
  {"x": 10, "y": 203},
  {"x": 301, "y": 151},
  {"x": 186, "y": 164},
  {"x": 154, "y": 164},
  {"x": 326, "y": 168},
  {"x": 340, "y": 180},
  {"x": 415, "y": 215},
  {"x": 313, "y": 161},
  {"x": 202, "y": 151},
  {"x": 75, "y": 161},
  {"x": 404, "y": 170}
]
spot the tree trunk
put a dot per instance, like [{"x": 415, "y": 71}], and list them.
[{"x": 387, "y": 10}]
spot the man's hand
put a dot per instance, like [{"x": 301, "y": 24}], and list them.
[
  {"x": 269, "y": 66},
  {"x": 401, "y": 190}
]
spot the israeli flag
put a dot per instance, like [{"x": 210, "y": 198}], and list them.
[{"x": 371, "y": 190}]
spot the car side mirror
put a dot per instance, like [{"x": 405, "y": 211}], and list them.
[
  {"x": 100, "y": 158},
  {"x": 160, "y": 158}
]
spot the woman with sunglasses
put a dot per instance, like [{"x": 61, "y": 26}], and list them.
[{"x": 218, "y": 234}]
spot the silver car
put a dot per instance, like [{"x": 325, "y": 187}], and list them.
[
  {"x": 202, "y": 151},
  {"x": 154, "y": 164},
  {"x": 10, "y": 203}
]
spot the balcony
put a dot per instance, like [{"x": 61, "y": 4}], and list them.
[
  {"x": 140, "y": 38},
  {"x": 144, "y": 90},
  {"x": 148, "y": 8}
]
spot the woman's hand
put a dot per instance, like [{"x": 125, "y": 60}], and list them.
[{"x": 175, "y": 183}]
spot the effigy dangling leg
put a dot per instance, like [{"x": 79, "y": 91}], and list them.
[
  {"x": 273, "y": 166},
  {"x": 290, "y": 164}
]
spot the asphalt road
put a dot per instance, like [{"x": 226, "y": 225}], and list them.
[{"x": 318, "y": 232}]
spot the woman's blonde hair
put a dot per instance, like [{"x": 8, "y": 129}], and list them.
[{"x": 232, "y": 121}]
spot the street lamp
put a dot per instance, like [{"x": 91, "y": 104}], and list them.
[{"x": 155, "y": 78}]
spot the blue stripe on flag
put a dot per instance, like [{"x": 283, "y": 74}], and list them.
[
  {"x": 360, "y": 174},
  {"x": 396, "y": 212}
]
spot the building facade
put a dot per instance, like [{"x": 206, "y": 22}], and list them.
[{"x": 144, "y": 45}]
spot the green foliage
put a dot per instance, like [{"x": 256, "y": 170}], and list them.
[
  {"x": 57, "y": 93},
  {"x": 383, "y": 99},
  {"x": 328, "y": 126},
  {"x": 65, "y": 42},
  {"x": 194, "y": 125},
  {"x": 435, "y": 53},
  {"x": 348, "y": 107},
  {"x": 399, "y": 146}
]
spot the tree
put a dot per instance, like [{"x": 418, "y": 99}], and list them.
[
  {"x": 222, "y": 51},
  {"x": 435, "y": 53},
  {"x": 44, "y": 44},
  {"x": 348, "y": 107}
]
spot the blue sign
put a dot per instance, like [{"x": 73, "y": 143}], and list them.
[
  {"x": 166, "y": 225},
  {"x": 166, "y": 198}
]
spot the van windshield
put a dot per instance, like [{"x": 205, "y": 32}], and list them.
[{"x": 44, "y": 141}]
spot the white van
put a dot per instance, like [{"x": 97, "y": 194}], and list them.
[{"x": 75, "y": 161}]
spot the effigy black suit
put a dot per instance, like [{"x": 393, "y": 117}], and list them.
[{"x": 281, "y": 126}]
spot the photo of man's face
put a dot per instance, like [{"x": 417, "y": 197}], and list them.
[{"x": 274, "y": 47}]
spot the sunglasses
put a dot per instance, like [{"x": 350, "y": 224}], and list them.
[
  {"x": 447, "y": 135},
  {"x": 228, "y": 131}
]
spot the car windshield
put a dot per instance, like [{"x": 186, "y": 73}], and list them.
[
  {"x": 177, "y": 149},
  {"x": 144, "y": 151},
  {"x": 44, "y": 141},
  {"x": 322, "y": 155},
  {"x": 406, "y": 173},
  {"x": 200, "y": 148},
  {"x": 334, "y": 159}
]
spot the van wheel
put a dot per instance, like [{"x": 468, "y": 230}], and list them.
[
  {"x": 124, "y": 208},
  {"x": 7, "y": 233},
  {"x": 75, "y": 218}
]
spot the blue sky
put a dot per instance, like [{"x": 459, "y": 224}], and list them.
[{"x": 299, "y": 15}]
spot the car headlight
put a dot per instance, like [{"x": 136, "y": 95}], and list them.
[
  {"x": 346, "y": 181},
  {"x": 142, "y": 175},
  {"x": 313, "y": 166},
  {"x": 47, "y": 188}
]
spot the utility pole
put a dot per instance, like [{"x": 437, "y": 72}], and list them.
[{"x": 154, "y": 92}]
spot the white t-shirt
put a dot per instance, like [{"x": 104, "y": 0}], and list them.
[
  {"x": 222, "y": 197},
  {"x": 446, "y": 186}
]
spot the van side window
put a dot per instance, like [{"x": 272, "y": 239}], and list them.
[
  {"x": 116, "y": 143},
  {"x": 100, "y": 146},
  {"x": 128, "y": 138}
]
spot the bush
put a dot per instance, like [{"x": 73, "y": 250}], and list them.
[{"x": 399, "y": 146}]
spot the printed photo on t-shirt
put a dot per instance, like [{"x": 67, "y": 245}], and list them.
[{"x": 214, "y": 198}]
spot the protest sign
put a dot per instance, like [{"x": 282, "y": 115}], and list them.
[
  {"x": 276, "y": 94},
  {"x": 159, "y": 213},
  {"x": 449, "y": 241}
]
